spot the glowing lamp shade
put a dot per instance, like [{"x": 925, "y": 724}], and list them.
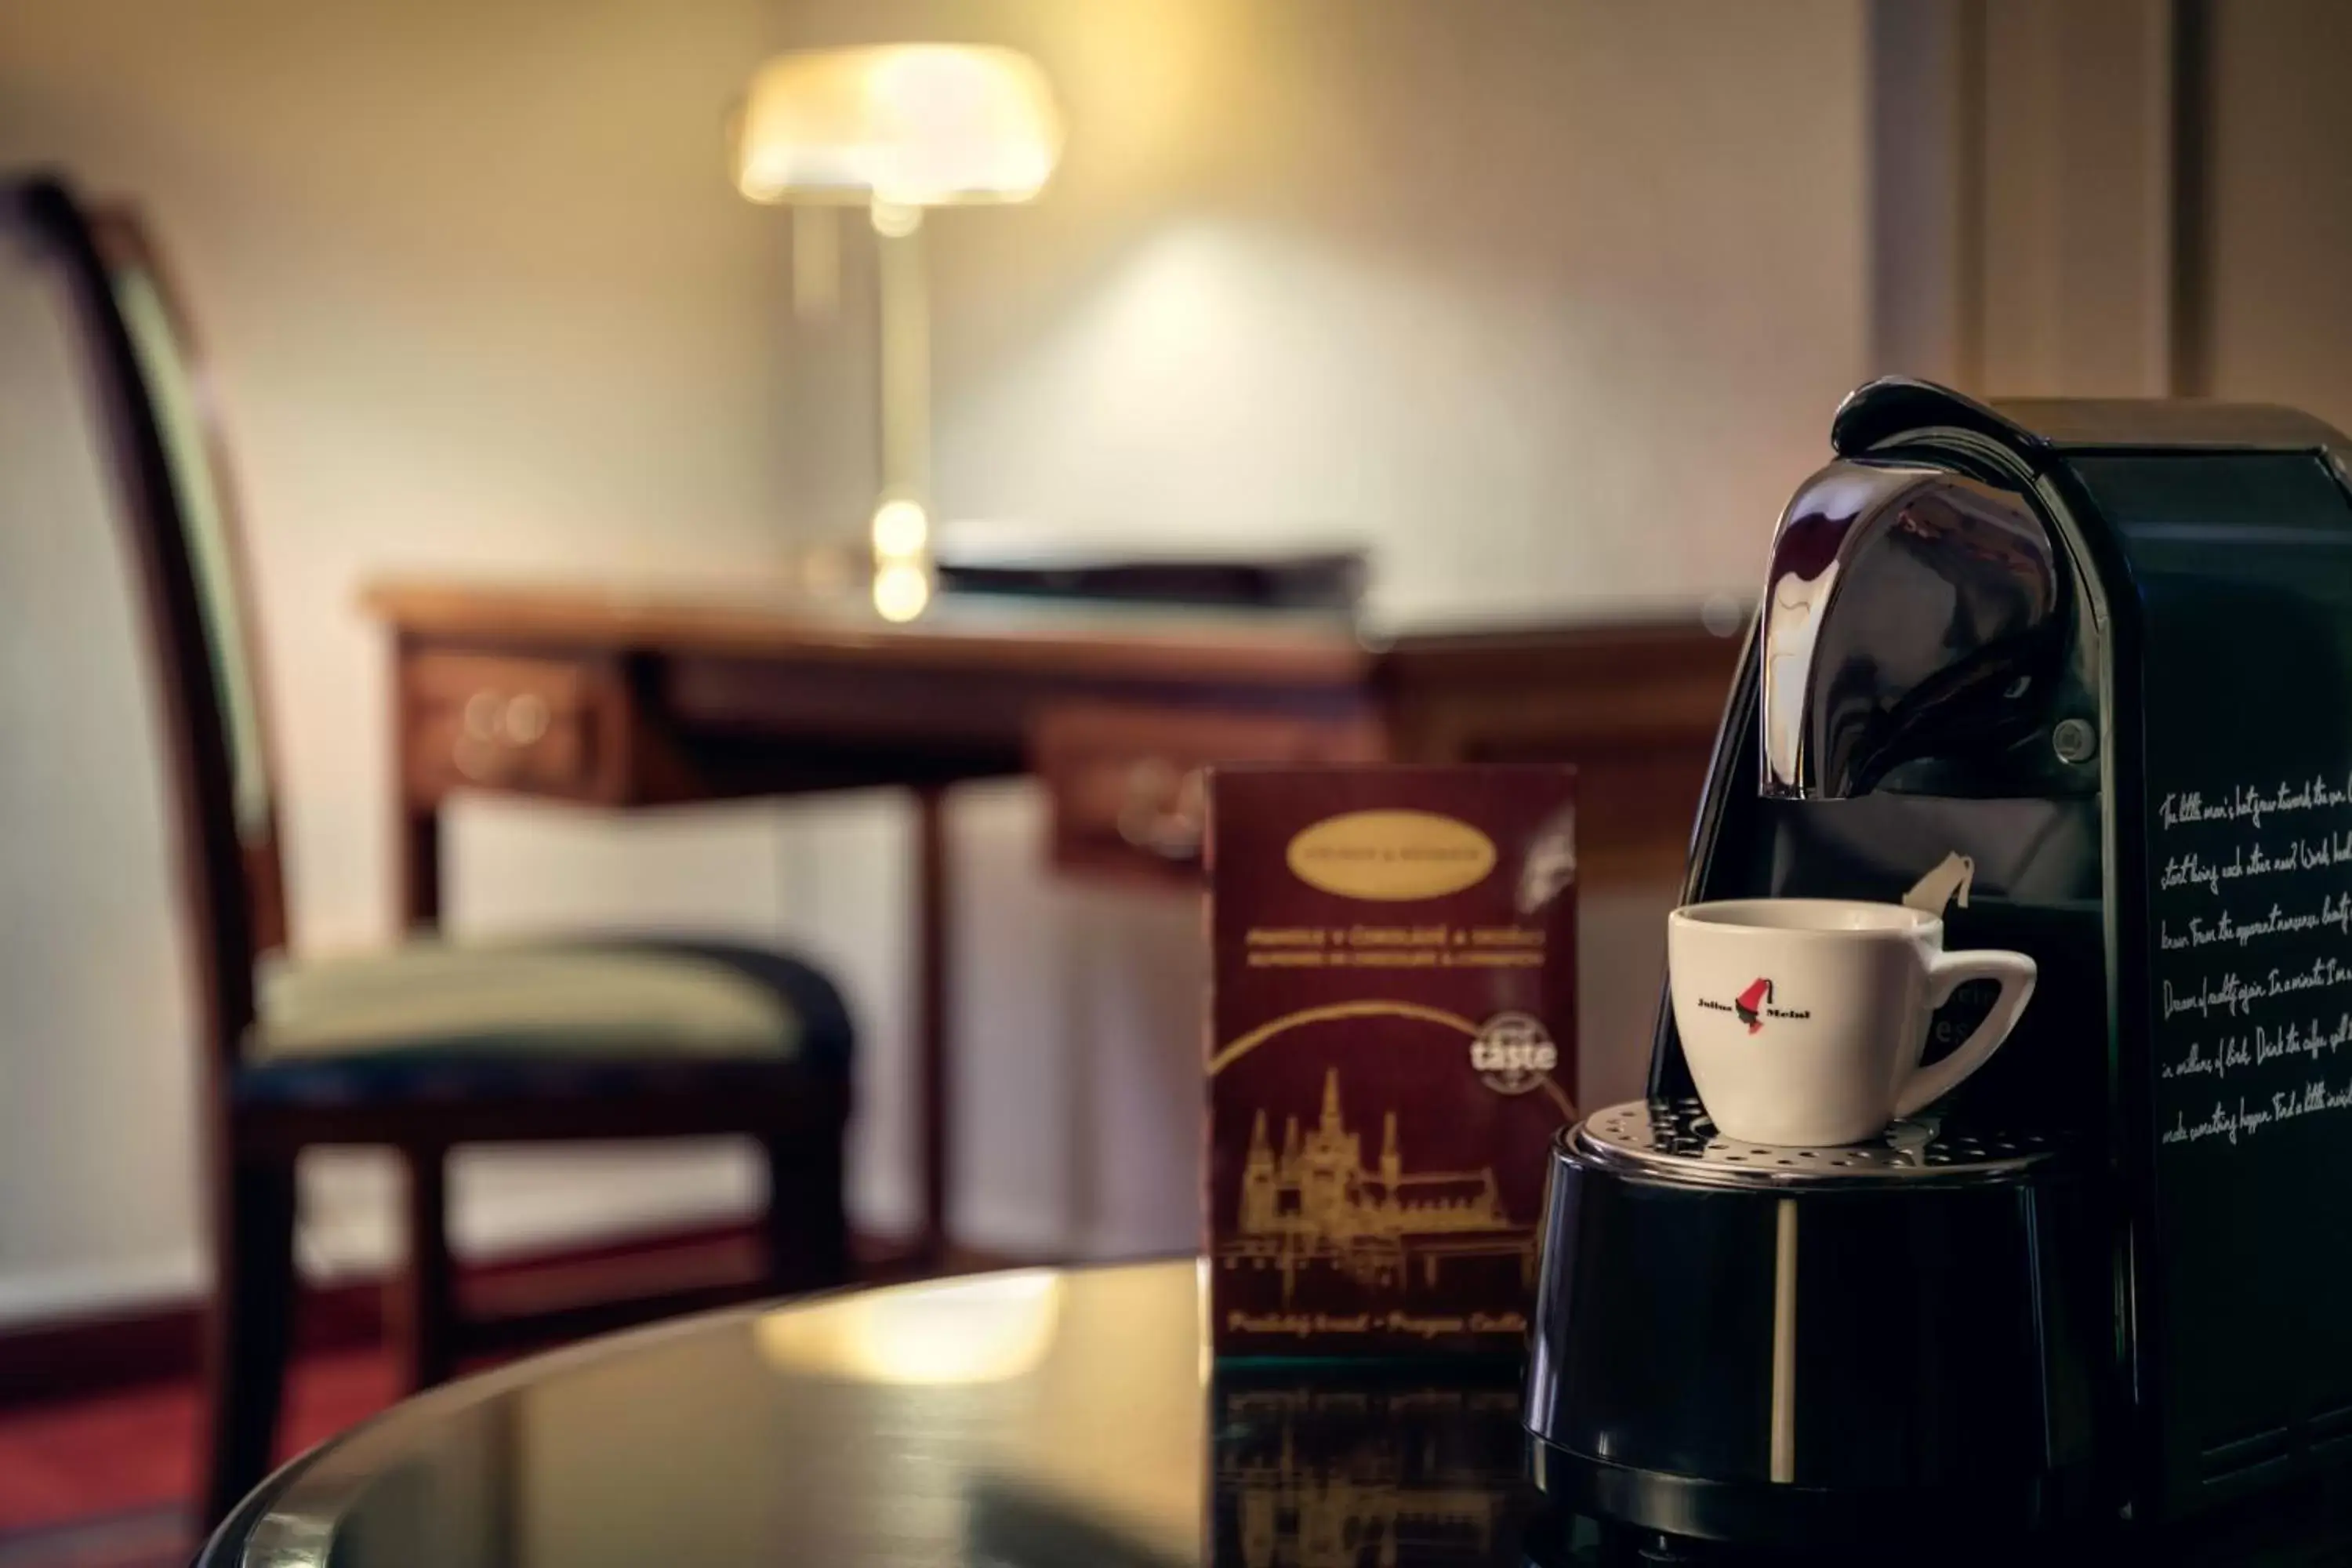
[{"x": 912, "y": 125}]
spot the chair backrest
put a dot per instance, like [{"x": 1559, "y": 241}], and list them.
[{"x": 164, "y": 451}]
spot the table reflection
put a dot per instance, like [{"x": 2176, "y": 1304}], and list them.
[
  {"x": 988, "y": 1330},
  {"x": 1335, "y": 1473}
]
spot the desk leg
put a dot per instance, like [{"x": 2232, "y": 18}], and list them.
[
  {"x": 416, "y": 825},
  {"x": 418, "y": 867},
  {"x": 933, "y": 1110}
]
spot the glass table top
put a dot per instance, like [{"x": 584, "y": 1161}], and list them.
[
  {"x": 1037, "y": 1416},
  {"x": 1031, "y": 1419}
]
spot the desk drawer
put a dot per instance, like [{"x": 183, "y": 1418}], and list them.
[
  {"x": 1125, "y": 784},
  {"x": 533, "y": 725}
]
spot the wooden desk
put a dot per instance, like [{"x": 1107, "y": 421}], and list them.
[{"x": 641, "y": 699}]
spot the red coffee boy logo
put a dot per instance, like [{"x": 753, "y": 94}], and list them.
[
  {"x": 1749, "y": 1004},
  {"x": 1753, "y": 1005}
]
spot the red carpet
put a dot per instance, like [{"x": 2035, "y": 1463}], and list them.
[{"x": 121, "y": 1453}]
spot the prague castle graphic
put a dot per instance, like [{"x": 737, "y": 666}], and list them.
[
  {"x": 1317, "y": 1206},
  {"x": 1310, "y": 1478}
]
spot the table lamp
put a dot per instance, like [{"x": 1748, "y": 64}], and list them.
[{"x": 897, "y": 128}]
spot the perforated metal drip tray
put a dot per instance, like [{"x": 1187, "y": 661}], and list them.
[{"x": 1673, "y": 1140}]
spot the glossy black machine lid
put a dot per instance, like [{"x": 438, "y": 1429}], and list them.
[{"x": 1895, "y": 406}]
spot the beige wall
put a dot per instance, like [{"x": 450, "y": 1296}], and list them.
[
  {"x": 94, "y": 1072},
  {"x": 2281, "y": 247},
  {"x": 2076, "y": 249},
  {"x": 2021, "y": 194},
  {"x": 1549, "y": 300},
  {"x": 2058, "y": 277}
]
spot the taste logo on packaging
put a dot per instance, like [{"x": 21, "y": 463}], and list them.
[
  {"x": 1754, "y": 1005},
  {"x": 1513, "y": 1053}
]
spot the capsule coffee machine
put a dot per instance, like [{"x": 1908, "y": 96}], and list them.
[{"x": 2103, "y": 651}]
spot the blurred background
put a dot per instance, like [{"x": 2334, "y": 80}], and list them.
[{"x": 1546, "y": 304}]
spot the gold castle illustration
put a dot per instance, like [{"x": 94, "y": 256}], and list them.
[{"x": 1317, "y": 1204}]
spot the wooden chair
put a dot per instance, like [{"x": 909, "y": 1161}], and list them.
[{"x": 429, "y": 1046}]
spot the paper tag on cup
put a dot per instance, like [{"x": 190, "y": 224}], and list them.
[{"x": 1950, "y": 879}]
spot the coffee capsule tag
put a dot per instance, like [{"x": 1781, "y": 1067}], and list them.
[{"x": 1950, "y": 879}]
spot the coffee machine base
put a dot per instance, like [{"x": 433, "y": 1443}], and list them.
[
  {"x": 1937, "y": 1523},
  {"x": 1800, "y": 1517},
  {"x": 1749, "y": 1342}
]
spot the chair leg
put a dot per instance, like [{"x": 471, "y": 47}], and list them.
[
  {"x": 423, "y": 1295},
  {"x": 250, "y": 1328},
  {"x": 807, "y": 1226}
]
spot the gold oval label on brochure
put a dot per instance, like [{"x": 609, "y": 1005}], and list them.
[{"x": 1390, "y": 855}]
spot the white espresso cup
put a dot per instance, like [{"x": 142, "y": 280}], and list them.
[{"x": 1803, "y": 1019}]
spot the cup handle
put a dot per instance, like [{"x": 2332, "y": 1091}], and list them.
[{"x": 1947, "y": 972}]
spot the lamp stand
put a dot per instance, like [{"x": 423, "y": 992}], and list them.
[{"x": 902, "y": 522}]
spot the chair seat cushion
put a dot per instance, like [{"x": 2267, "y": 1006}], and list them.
[{"x": 583, "y": 1016}]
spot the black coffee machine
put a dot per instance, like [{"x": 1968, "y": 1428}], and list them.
[{"x": 2103, "y": 651}]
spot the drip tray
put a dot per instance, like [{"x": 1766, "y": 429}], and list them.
[{"x": 1674, "y": 1140}]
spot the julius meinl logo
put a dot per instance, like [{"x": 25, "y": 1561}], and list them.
[{"x": 1754, "y": 1005}]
